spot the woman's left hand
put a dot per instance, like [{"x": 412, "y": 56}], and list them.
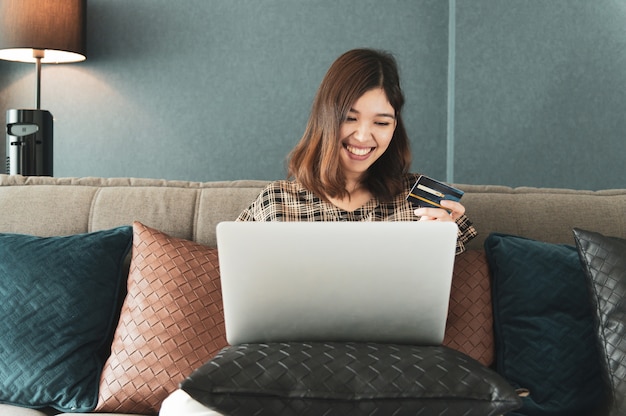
[{"x": 456, "y": 210}]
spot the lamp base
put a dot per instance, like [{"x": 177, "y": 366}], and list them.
[{"x": 29, "y": 143}]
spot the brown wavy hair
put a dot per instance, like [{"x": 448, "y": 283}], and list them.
[{"x": 314, "y": 161}]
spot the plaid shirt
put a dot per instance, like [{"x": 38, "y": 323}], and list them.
[{"x": 288, "y": 201}]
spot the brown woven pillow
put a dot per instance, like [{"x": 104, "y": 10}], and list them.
[
  {"x": 470, "y": 315},
  {"x": 171, "y": 322}
]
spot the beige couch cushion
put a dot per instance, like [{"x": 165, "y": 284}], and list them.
[
  {"x": 61, "y": 206},
  {"x": 190, "y": 210},
  {"x": 542, "y": 213}
]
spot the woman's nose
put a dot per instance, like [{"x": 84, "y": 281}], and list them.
[{"x": 362, "y": 132}]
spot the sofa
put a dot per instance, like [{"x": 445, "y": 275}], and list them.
[{"x": 152, "y": 244}]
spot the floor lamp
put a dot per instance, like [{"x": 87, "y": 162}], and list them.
[{"x": 39, "y": 32}]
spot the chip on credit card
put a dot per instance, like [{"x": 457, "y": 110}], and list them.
[{"x": 428, "y": 192}]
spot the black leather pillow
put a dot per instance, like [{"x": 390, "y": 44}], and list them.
[
  {"x": 604, "y": 261},
  {"x": 348, "y": 379}
]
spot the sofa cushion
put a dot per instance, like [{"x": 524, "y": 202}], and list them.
[
  {"x": 545, "y": 340},
  {"x": 171, "y": 322},
  {"x": 58, "y": 297},
  {"x": 348, "y": 379},
  {"x": 9, "y": 410},
  {"x": 469, "y": 327},
  {"x": 604, "y": 262}
]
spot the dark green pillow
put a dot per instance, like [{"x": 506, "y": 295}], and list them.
[
  {"x": 58, "y": 300},
  {"x": 544, "y": 329}
]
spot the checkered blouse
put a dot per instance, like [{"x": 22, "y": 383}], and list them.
[{"x": 288, "y": 201}]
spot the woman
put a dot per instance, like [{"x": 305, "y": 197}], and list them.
[
  {"x": 351, "y": 165},
  {"x": 352, "y": 162}
]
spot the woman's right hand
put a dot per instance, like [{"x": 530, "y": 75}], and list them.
[{"x": 456, "y": 210}]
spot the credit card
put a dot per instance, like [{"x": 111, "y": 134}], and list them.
[{"x": 428, "y": 192}]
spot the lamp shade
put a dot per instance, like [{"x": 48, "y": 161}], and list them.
[{"x": 56, "y": 27}]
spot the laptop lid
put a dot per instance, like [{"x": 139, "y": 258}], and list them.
[{"x": 336, "y": 281}]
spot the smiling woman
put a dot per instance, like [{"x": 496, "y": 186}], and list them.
[
  {"x": 350, "y": 165},
  {"x": 353, "y": 159},
  {"x": 361, "y": 83}
]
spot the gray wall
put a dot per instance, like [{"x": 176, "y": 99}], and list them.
[
  {"x": 541, "y": 92},
  {"x": 220, "y": 90}
]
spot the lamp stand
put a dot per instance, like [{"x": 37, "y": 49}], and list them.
[
  {"x": 29, "y": 135},
  {"x": 38, "y": 54}
]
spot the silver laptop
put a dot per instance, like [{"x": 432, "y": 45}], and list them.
[{"x": 336, "y": 281}]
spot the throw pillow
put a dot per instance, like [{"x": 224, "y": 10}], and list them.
[
  {"x": 545, "y": 340},
  {"x": 58, "y": 298},
  {"x": 604, "y": 261},
  {"x": 348, "y": 379},
  {"x": 469, "y": 328},
  {"x": 171, "y": 322}
]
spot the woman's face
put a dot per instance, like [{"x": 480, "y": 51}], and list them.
[{"x": 366, "y": 132}]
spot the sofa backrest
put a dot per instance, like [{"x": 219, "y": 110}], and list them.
[
  {"x": 60, "y": 206},
  {"x": 544, "y": 214}
]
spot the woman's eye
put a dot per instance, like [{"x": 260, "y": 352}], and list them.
[
  {"x": 350, "y": 118},
  {"x": 382, "y": 123}
]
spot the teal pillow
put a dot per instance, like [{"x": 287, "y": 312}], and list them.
[
  {"x": 58, "y": 300},
  {"x": 543, "y": 325}
]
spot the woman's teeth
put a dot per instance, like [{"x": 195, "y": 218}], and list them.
[{"x": 359, "y": 151}]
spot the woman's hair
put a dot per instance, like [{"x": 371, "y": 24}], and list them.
[{"x": 315, "y": 160}]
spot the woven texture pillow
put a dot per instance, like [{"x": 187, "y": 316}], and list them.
[
  {"x": 58, "y": 300},
  {"x": 348, "y": 379},
  {"x": 171, "y": 322},
  {"x": 544, "y": 332},
  {"x": 604, "y": 261},
  {"x": 469, "y": 328}
]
